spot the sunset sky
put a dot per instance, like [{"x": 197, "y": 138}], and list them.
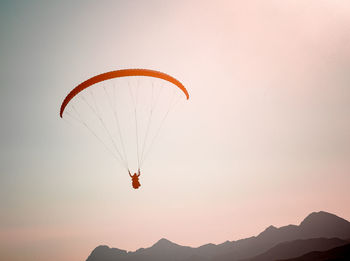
[{"x": 263, "y": 140}]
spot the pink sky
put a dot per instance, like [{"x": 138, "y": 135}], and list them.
[{"x": 264, "y": 139}]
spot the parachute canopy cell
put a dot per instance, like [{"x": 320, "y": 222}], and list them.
[{"x": 120, "y": 73}]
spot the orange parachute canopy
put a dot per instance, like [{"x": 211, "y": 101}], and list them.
[{"x": 117, "y": 74}]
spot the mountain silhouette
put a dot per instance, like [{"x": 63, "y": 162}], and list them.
[
  {"x": 321, "y": 223},
  {"x": 341, "y": 253},
  {"x": 162, "y": 250},
  {"x": 165, "y": 243},
  {"x": 316, "y": 225},
  {"x": 104, "y": 253}
]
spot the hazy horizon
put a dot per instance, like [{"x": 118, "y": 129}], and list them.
[{"x": 264, "y": 134}]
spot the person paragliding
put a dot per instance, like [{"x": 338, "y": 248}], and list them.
[
  {"x": 106, "y": 111},
  {"x": 135, "y": 179}
]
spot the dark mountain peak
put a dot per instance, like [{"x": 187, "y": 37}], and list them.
[
  {"x": 164, "y": 243},
  {"x": 268, "y": 231},
  {"x": 105, "y": 253},
  {"x": 321, "y": 218},
  {"x": 207, "y": 245},
  {"x": 271, "y": 228},
  {"x": 101, "y": 248},
  {"x": 315, "y": 225},
  {"x": 226, "y": 243},
  {"x": 322, "y": 224}
]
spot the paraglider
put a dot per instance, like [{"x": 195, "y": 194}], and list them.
[
  {"x": 135, "y": 179},
  {"x": 117, "y": 74},
  {"x": 125, "y": 110}
]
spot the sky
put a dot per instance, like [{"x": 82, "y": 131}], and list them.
[{"x": 263, "y": 140}]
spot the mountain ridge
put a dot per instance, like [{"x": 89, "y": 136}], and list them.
[{"x": 316, "y": 225}]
